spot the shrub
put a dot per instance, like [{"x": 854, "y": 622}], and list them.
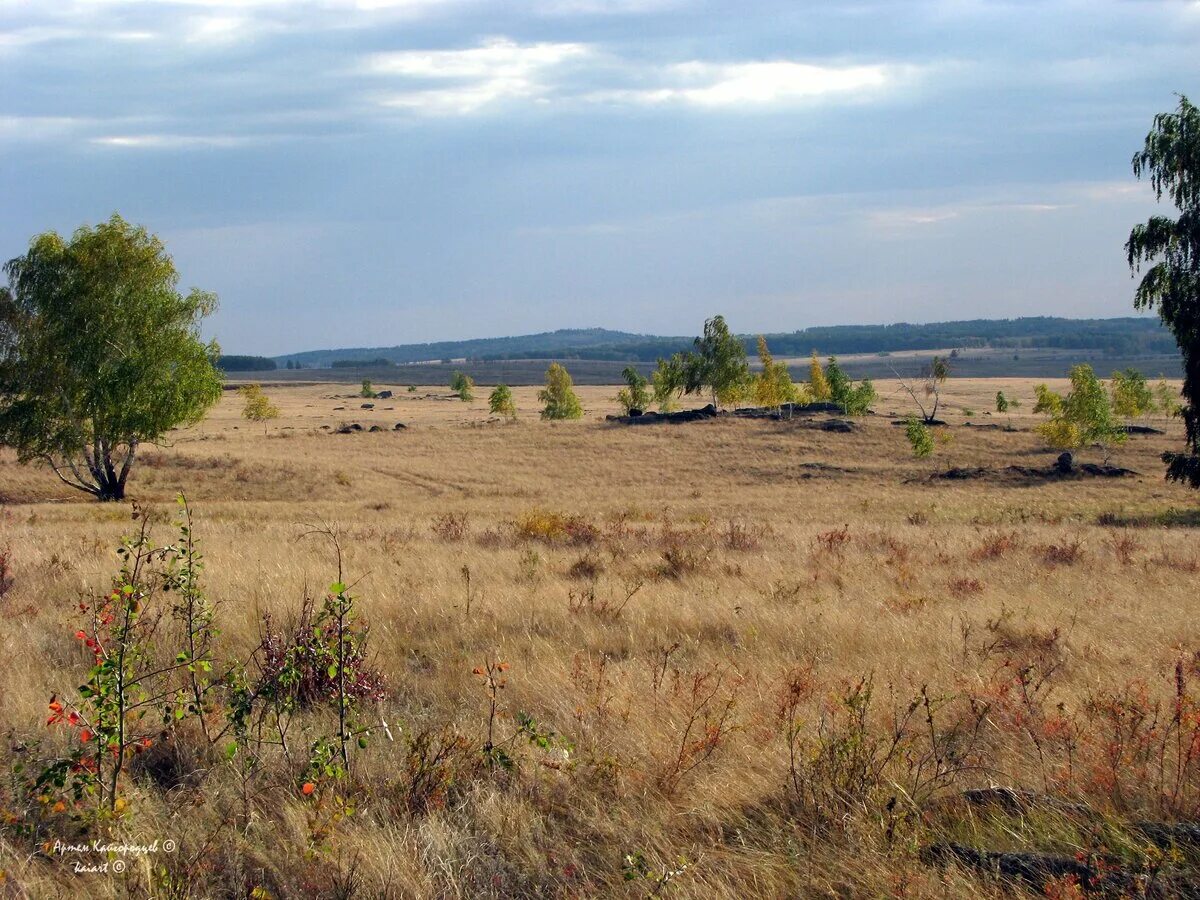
[
  {"x": 555, "y": 528},
  {"x": 559, "y": 395},
  {"x": 367, "y": 391},
  {"x": 450, "y": 527},
  {"x": 854, "y": 400},
  {"x": 463, "y": 385},
  {"x": 920, "y": 438},
  {"x": 1001, "y": 402},
  {"x": 634, "y": 395},
  {"x": 500, "y": 401}
]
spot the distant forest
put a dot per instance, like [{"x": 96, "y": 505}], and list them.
[{"x": 1116, "y": 337}]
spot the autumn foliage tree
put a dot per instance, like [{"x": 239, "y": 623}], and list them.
[
  {"x": 773, "y": 386},
  {"x": 817, "y": 382},
  {"x": 100, "y": 353}
]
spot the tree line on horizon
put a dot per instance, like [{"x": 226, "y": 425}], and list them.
[{"x": 1127, "y": 336}]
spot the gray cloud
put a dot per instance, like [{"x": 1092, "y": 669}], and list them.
[{"x": 361, "y": 171}]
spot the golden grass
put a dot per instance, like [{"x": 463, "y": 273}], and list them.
[{"x": 611, "y": 567}]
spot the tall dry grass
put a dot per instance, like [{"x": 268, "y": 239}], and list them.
[{"x": 743, "y": 658}]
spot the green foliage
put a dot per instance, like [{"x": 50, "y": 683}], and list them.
[
  {"x": 99, "y": 353},
  {"x": 635, "y": 394},
  {"x": 1084, "y": 416},
  {"x": 463, "y": 385},
  {"x": 1001, "y": 402},
  {"x": 1171, "y": 284},
  {"x": 559, "y": 396},
  {"x": 367, "y": 391},
  {"x": 1167, "y": 398},
  {"x": 258, "y": 407},
  {"x": 1131, "y": 394},
  {"x": 854, "y": 400},
  {"x": 718, "y": 364},
  {"x": 1048, "y": 401},
  {"x": 920, "y": 437},
  {"x": 500, "y": 401},
  {"x": 668, "y": 380}
]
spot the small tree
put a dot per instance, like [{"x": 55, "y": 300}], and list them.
[
  {"x": 635, "y": 394},
  {"x": 99, "y": 353},
  {"x": 1131, "y": 394},
  {"x": 1167, "y": 398},
  {"x": 817, "y": 382},
  {"x": 500, "y": 401},
  {"x": 920, "y": 437},
  {"x": 1084, "y": 416},
  {"x": 463, "y": 385},
  {"x": 854, "y": 401},
  {"x": 367, "y": 391},
  {"x": 258, "y": 407},
  {"x": 933, "y": 377},
  {"x": 668, "y": 381},
  {"x": 559, "y": 395},
  {"x": 718, "y": 364},
  {"x": 773, "y": 387},
  {"x": 1001, "y": 402}
]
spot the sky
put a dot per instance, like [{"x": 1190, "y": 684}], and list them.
[{"x": 375, "y": 172}]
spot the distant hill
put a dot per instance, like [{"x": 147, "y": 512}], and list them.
[
  {"x": 1125, "y": 337},
  {"x": 572, "y": 342}
]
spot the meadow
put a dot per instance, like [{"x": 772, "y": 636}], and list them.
[{"x": 722, "y": 659}]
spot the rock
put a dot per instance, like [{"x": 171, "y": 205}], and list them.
[
  {"x": 1065, "y": 464},
  {"x": 649, "y": 418},
  {"x": 349, "y": 429},
  {"x": 934, "y": 423},
  {"x": 400, "y": 426},
  {"x": 635, "y": 412},
  {"x": 1141, "y": 429},
  {"x": 841, "y": 426},
  {"x": 367, "y": 406},
  {"x": 336, "y": 408},
  {"x": 383, "y": 395},
  {"x": 375, "y": 428}
]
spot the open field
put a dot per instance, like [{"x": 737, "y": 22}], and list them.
[
  {"x": 1040, "y": 363},
  {"x": 771, "y": 657}
]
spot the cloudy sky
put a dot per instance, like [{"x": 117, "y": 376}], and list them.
[{"x": 370, "y": 172}]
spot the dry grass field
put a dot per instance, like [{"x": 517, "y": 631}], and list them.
[{"x": 742, "y": 658}]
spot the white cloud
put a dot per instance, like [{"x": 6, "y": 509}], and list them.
[
  {"x": 760, "y": 83},
  {"x": 169, "y": 141},
  {"x": 465, "y": 81},
  {"x": 499, "y": 69}
]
